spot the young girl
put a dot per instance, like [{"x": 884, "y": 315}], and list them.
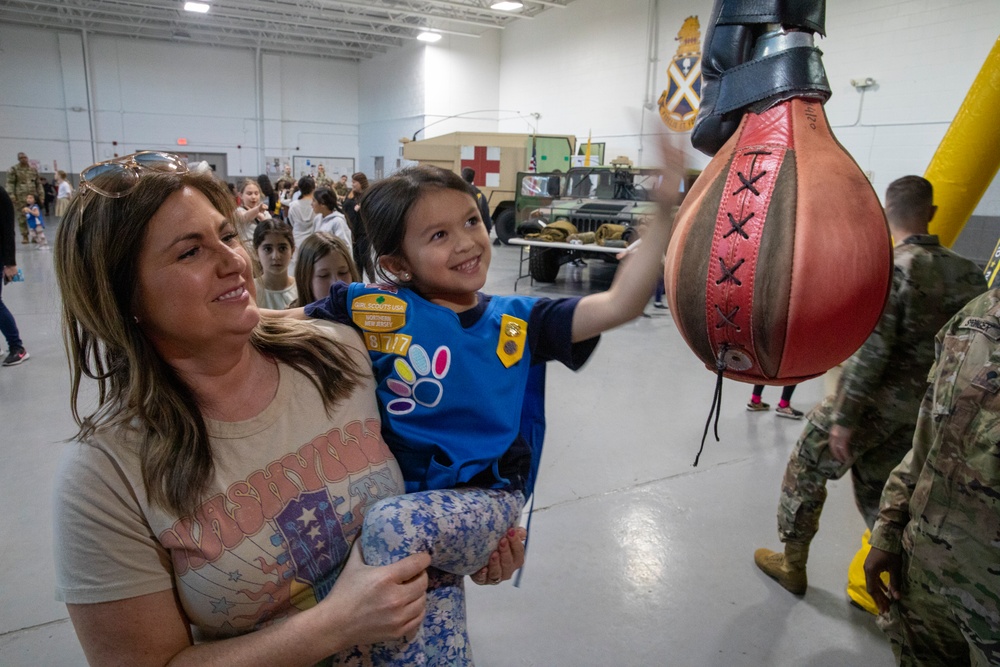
[
  {"x": 274, "y": 244},
  {"x": 36, "y": 225},
  {"x": 251, "y": 210},
  {"x": 324, "y": 259},
  {"x": 332, "y": 218},
  {"x": 453, "y": 368}
]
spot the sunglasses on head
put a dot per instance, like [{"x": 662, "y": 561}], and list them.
[{"x": 130, "y": 167}]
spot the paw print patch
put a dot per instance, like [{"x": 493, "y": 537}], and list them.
[{"x": 418, "y": 382}]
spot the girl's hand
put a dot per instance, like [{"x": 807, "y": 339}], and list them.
[
  {"x": 251, "y": 213},
  {"x": 507, "y": 559},
  {"x": 375, "y": 604}
]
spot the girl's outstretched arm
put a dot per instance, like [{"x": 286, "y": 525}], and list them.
[{"x": 636, "y": 277}]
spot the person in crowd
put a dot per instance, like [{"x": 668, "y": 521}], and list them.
[
  {"x": 332, "y": 220},
  {"x": 469, "y": 175},
  {"x": 937, "y": 527},
  {"x": 301, "y": 215},
  {"x": 324, "y": 259},
  {"x": 283, "y": 188},
  {"x": 252, "y": 209},
  {"x": 36, "y": 222},
  {"x": 322, "y": 180},
  {"x": 274, "y": 245},
  {"x": 867, "y": 426},
  {"x": 16, "y": 354},
  {"x": 63, "y": 194},
  {"x": 49, "y": 193},
  {"x": 341, "y": 187},
  {"x": 208, "y": 511},
  {"x": 784, "y": 408},
  {"x": 352, "y": 207},
  {"x": 438, "y": 345},
  {"x": 268, "y": 194},
  {"x": 23, "y": 180}
]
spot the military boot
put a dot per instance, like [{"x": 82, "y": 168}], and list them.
[{"x": 788, "y": 569}]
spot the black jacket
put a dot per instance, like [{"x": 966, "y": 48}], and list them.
[{"x": 6, "y": 230}]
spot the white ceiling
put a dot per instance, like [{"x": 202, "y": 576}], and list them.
[{"x": 351, "y": 29}]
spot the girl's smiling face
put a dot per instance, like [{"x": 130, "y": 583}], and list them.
[
  {"x": 446, "y": 248},
  {"x": 327, "y": 270},
  {"x": 275, "y": 254}
]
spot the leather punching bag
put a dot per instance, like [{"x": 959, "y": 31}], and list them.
[{"x": 781, "y": 260}]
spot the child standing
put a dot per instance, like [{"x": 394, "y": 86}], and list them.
[
  {"x": 274, "y": 244},
  {"x": 36, "y": 225},
  {"x": 453, "y": 366}
]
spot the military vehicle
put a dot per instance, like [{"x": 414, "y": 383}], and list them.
[{"x": 587, "y": 197}]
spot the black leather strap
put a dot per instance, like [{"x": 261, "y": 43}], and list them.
[
  {"x": 807, "y": 14},
  {"x": 796, "y": 72}
]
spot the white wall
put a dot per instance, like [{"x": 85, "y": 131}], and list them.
[
  {"x": 392, "y": 101},
  {"x": 147, "y": 94}
]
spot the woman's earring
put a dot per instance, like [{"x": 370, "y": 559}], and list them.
[
  {"x": 405, "y": 275},
  {"x": 136, "y": 318}
]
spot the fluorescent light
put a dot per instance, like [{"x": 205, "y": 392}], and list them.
[
  {"x": 200, "y": 7},
  {"x": 506, "y": 6},
  {"x": 429, "y": 36}
]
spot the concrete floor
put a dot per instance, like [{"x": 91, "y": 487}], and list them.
[{"x": 636, "y": 558}]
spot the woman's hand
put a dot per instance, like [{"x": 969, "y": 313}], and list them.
[
  {"x": 507, "y": 559},
  {"x": 375, "y": 604}
]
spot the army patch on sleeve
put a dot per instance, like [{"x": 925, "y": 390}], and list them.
[{"x": 513, "y": 338}]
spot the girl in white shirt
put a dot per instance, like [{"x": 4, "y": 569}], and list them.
[
  {"x": 274, "y": 244},
  {"x": 63, "y": 194}
]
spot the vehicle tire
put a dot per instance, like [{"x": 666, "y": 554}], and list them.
[
  {"x": 543, "y": 264},
  {"x": 504, "y": 225}
]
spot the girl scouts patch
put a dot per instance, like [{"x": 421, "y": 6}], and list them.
[
  {"x": 378, "y": 312},
  {"x": 513, "y": 338}
]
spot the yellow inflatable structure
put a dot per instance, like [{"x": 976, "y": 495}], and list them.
[{"x": 969, "y": 154}]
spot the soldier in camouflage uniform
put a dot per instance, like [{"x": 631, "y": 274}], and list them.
[
  {"x": 867, "y": 426},
  {"x": 938, "y": 528},
  {"x": 23, "y": 180},
  {"x": 322, "y": 180}
]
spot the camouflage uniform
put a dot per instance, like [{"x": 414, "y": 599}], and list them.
[
  {"x": 341, "y": 189},
  {"x": 322, "y": 180},
  {"x": 880, "y": 388},
  {"x": 21, "y": 182},
  {"x": 941, "y": 505}
]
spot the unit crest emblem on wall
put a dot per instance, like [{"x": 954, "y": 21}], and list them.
[{"x": 679, "y": 103}]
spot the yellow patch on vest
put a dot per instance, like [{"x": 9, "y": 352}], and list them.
[
  {"x": 513, "y": 339},
  {"x": 378, "y": 312}
]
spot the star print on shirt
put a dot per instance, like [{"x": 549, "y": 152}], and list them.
[{"x": 222, "y": 606}]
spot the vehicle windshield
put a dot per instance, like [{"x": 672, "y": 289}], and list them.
[{"x": 593, "y": 183}]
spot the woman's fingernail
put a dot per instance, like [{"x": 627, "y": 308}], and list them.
[{"x": 510, "y": 533}]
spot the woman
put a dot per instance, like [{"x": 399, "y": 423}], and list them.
[
  {"x": 268, "y": 194},
  {"x": 362, "y": 246},
  {"x": 63, "y": 194},
  {"x": 219, "y": 484}
]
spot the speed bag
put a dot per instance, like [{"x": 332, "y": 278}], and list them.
[{"x": 781, "y": 259}]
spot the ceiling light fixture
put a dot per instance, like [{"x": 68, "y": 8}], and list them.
[
  {"x": 200, "y": 7},
  {"x": 506, "y": 6},
  {"x": 427, "y": 36}
]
